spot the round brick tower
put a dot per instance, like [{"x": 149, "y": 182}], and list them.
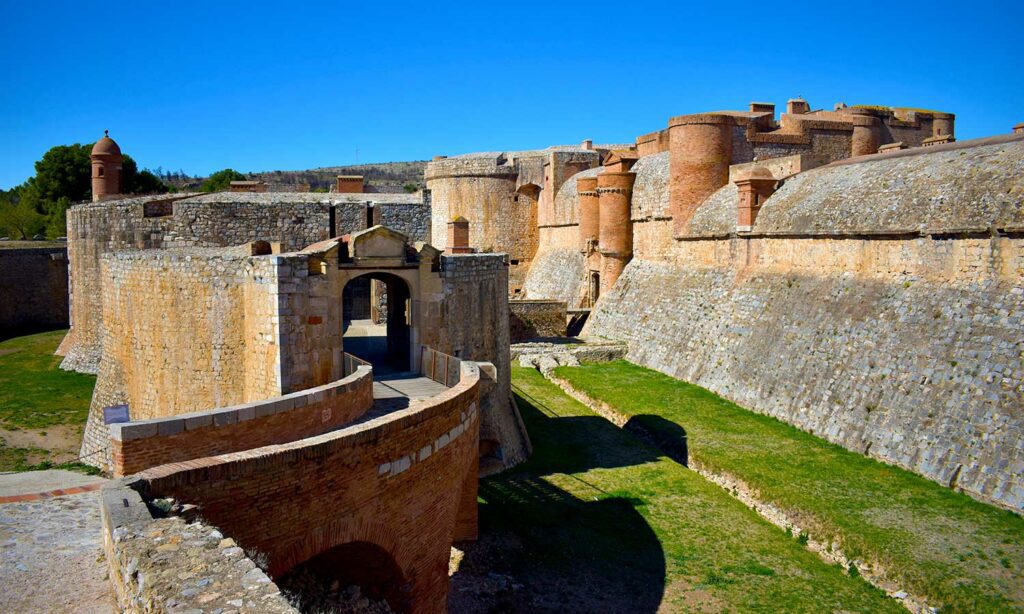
[
  {"x": 615, "y": 193},
  {"x": 867, "y": 132},
  {"x": 586, "y": 187},
  {"x": 106, "y": 168},
  {"x": 700, "y": 151}
]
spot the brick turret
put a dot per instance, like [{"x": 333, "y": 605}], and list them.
[
  {"x": 615, "y": 193},
  {"x": 106, "y": 168},
  {"x": 590, "y": 216},
  {"x": 867, "y": 132},
  {"x": 700, "y": 152}
]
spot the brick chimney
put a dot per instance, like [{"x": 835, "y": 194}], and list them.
[
  {"x": 349, "y": 184},
  {"x": 458, "y": 236}
]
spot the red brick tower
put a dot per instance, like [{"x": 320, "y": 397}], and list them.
[{"x": 106, "y": 168}]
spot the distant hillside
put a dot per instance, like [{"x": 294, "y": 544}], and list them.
[{"x": 380, "y": 177}]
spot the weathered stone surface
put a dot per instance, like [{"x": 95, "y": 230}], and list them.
[{"x": 33, "y": 287}]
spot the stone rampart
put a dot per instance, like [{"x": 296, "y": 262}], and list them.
[
  {"x": 142, "y": 444},
  {"x": 404, "y": 482},
  {"x": 908, "y": 350},
  {"x": 291, "y": 221},
  {"x": 33, "y": 288}
]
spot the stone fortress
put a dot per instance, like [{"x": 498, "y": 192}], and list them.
[{"x": 856, "y": 273}]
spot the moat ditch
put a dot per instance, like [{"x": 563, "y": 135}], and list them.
[{"x": 922, "y": 543}]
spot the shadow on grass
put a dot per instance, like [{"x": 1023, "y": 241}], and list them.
[
  {"x": 543, "y": 549},
  {"x": 665, "y": 435}
]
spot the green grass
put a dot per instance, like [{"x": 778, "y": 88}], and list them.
[
  {"x": 961, "y": 554},
  {"x": 34, "y": 392},
  {"x": 597, "y": 520}
]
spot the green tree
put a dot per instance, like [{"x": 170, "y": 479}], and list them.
[
  {"x": 20, "y": 220},
  {"x": 221, "y": 180},
  {"x": 410, "y": 188},
  {"x": 64, "y": 170}
]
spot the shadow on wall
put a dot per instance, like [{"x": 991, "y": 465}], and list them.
[{"x": 542, "y": 548}]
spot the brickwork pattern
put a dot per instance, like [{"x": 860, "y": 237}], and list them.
[
  {"x": 395, "y": 481},
  {"x": 139, "y": 445}
]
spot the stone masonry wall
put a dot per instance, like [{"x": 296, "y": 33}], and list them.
[
  {"x": 533, "y": 319},
  {"x": 907, "y": 350},
  {"x": 170, "y": 565},
  {"x": 33, "y": 289},
  {"x": 291, "y": 220},
  {"x": 473, "y": 324},
  {"x": 139, "y": 445}
]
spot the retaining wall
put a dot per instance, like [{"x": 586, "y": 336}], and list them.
[{"x": 33, "y": 288}]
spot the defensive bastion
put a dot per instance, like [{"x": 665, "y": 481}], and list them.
[{"x": 854, "y": 272}]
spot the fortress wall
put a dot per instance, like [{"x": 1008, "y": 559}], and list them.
[
  {"x": 232, "y": 219},
  {"x": 473, "y": 324},
  {"x": 411, "y": 220},
  {"x": 909, "y": 350},
  {"x": 33, "y": 288},
  {"x": 557, "y": 274},
  {"x": 176, "y": 337},
  {"x": 139, "y": 445},
  {"x": 93, "y": 230}
]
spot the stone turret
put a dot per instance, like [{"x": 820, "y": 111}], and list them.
[{"x": 106, "y": 168}]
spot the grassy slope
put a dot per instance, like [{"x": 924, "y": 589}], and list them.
[
  {"x": 36, "y": 394},
  {"x": 618, "y": 527},
  {"x": 965, "y": 555}
]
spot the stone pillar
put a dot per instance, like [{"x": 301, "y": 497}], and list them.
[
  {"x": 867, "y": 133},
  {"x": 700, "y": 152},
  {"x": 942, "y": 125},
  {"x": 590, "y": 216},
  {"x": 615, "y": 193},
  {"x": 458, "y": 236},
  {"x": 754, "y": 187}
]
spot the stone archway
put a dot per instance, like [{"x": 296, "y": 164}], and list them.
[
  {"x": 317, "y": 582},
  {"x": 377, "y": 320}
]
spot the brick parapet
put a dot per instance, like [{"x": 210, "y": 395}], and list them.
[
  {"x": 142, "y": 444},
  {"x": 396, "y": 481}
]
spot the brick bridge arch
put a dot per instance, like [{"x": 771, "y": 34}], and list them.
[{"x": 405, "y": 482}]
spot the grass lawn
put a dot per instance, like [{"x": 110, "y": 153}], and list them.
[
  {"x": 962, "y": 555},
  {"x": 39, "y": 403},
  {"x": 597, "y": 520}
]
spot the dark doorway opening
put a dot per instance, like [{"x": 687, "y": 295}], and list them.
[{"x": 376, "y": 317}]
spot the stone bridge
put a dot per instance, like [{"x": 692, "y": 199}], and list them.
[{"x": 376, "y": 503}]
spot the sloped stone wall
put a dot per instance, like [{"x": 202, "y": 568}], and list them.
[{"x": 908, "y": 350}]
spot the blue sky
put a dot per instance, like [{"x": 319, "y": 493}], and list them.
[{"x": 265, "y": 86}]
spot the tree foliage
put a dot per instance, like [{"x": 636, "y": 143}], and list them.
[
  {"x": 221, "y": 180},
  {"x": 63, "y": 177}
]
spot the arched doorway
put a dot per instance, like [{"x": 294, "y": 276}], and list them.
[
  {"x": 376, "y": 320},
  {"x": 323, "y": 581}
]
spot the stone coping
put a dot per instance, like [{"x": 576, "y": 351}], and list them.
[
  {"x": 172, "y": 425},
  {"x": 167, "y": 564}
]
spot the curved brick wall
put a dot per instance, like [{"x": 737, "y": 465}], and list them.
[
  {"x": 405, "y": 482},
  {"x": 142, "y": 444}
]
